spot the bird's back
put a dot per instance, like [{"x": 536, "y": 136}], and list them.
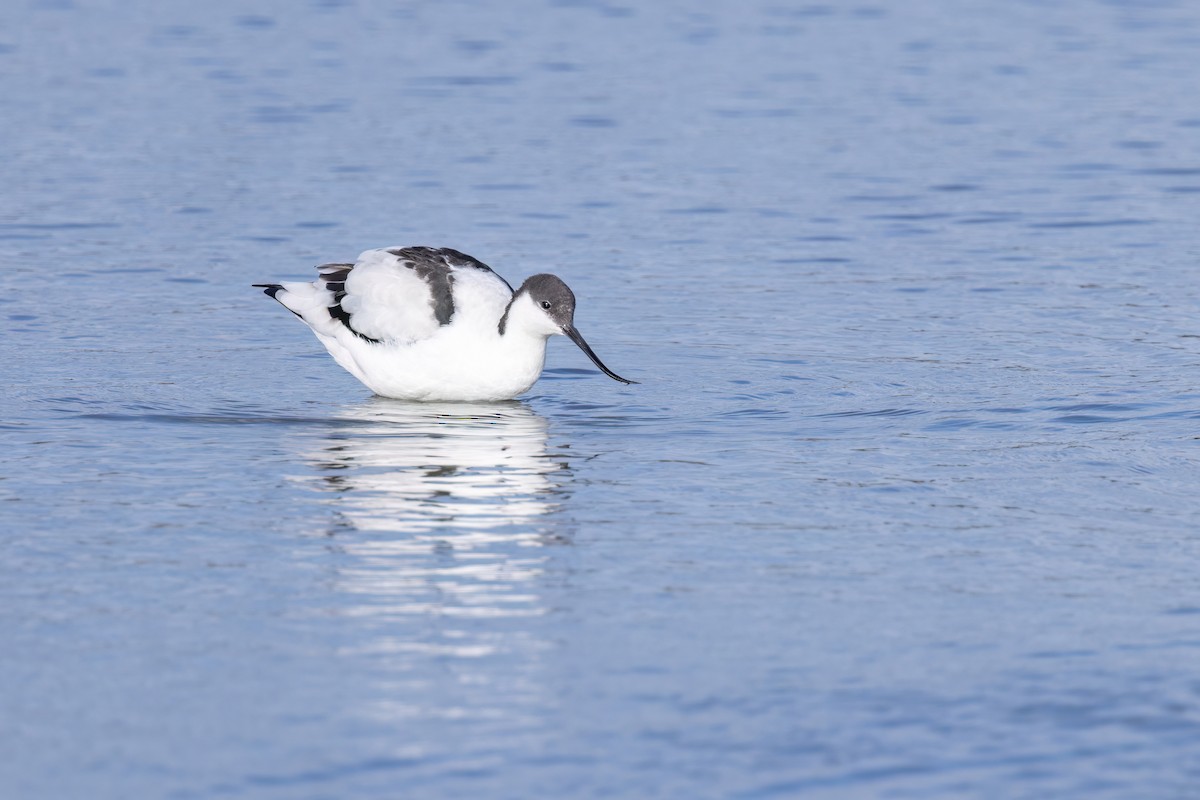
[{"x": 400, "y": 295}]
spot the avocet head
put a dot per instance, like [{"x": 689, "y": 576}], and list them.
[{"x": 553, "y": 305}]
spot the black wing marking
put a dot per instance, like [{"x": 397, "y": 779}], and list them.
[
  {"x": 435, "y": 266},
  {"x": 432, "y": 268},
  {"x": 333, "y": 277},
  {"x": 460, "y": 260}
]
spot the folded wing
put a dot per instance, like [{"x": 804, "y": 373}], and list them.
[{"x": 401, "y": 295}]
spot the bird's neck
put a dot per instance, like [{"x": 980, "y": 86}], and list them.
[{"x": 519, "y": 320}]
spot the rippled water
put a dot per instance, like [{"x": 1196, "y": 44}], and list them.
[{"x": 904, "y": 506}]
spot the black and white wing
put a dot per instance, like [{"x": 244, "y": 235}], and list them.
[{"x": 405, "y": 294}]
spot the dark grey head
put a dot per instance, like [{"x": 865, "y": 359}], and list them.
[
  {"x": 556, "y": 300},
  {"x": 550, "y": 294}
]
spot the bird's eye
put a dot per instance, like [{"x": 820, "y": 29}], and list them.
[{"x": 545, "y": 304}]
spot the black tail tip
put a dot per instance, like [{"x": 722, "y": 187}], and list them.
[{"x": 269, "y": 289}]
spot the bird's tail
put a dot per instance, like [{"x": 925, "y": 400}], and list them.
[
  {"x": 269, "y": 289},
  {"x": 272, "y": 291}
]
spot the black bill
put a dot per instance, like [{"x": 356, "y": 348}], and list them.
[{"x": 577, "y": 338}]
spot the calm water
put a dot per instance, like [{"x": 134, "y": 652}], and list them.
[{"x": 905, "y": 506}]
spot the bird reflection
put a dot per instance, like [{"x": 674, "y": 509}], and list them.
[{"x": 443, "y": 510}]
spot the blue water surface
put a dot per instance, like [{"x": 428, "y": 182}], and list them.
[{"x": 904, "y": 506}]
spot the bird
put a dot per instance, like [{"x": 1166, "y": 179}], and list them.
[{"x": 434, "y": 324}]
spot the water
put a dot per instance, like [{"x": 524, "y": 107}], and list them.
[{"x": 904, "y": 505}]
